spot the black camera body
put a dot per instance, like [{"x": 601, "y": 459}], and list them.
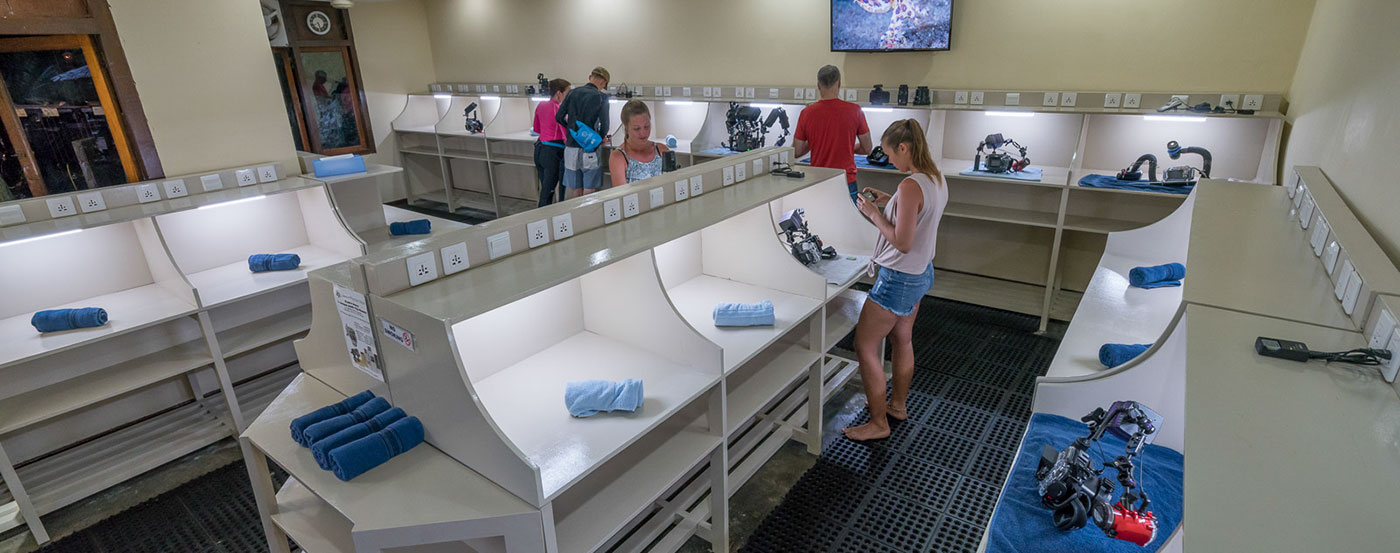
[
  {"x": 1181, "y": 175},
  {"x": 748, "y": 131},
  {"x": 998, "y": 162},
  {"x": 473, "y": 124},
  {"x": 903, "y": 95},
  {"x": 878, "y": 156},
  {"x": 806, "y": 247},
  {"x": 668, "y": 161},
  {"x": 921, "y": 96},
  {"x": 879, "y": 96}
]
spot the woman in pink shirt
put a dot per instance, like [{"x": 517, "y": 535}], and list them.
[{"x": 549, "y": 149}]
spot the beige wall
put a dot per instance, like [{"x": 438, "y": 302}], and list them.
[
  {"x": 391, "y": 39},
  {"x": 1346, "y": 112},
  {"x": 1151, "y": 45},
  {"x": 204, "y": 72}
]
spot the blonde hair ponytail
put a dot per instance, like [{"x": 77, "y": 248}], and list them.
[{"x": 908, "y": 131}]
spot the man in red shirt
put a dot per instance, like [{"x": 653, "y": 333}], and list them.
[{"x": 830, "y": 128}]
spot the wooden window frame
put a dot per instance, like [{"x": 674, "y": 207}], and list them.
[{"x": 286, "y": 64}]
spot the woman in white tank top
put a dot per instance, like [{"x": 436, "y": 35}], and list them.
[{"x": 903, "y": 261}]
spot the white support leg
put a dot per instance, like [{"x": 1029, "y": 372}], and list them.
[
  {"x": 26, "y": 507},
  {"x": 719, "y": 474},
  {"x": 816, "y": 334},
  {"x": 264, "y": 495},
  {"x": 221, "y": 371}
]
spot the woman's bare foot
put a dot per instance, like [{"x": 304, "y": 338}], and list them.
[
  {"x": 867, "y": 431},
  {"x": 896, "y": 411}
]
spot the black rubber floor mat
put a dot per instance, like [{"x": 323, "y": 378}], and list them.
[{"x": 931, "y": 486}]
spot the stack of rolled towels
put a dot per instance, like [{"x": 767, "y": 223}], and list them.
[
  {"x": 419, "y": 226},
  {"x": 1112, "y": 355},
  {"x": 585, "y": 398},
  {"x": 744, "y": 314},
  {"x": 1157, "y": 276},
  {"x": 55, "y": 320},
  {"x": 263, "y": 262},
  {"x": 355, "y": 435}
]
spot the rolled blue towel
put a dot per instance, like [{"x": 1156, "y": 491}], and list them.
[
  {"x": 324, "y": 429},
  {"x": 420, "y": 226},
  {"x": 54, "y": 320},
  {"x": 346, "y": 405},
  {"x": 263, "y": 262},
  {"x": 321, "y": 450},
  {"x": 359, "y": 456},
  {"x": 1112, "y": 355},
  {"x": 671, "y": 141},
  {"x": 1157, "y": 276},
  {"x": 585, "y": 398},
  {"x": 744, "y": 314}
]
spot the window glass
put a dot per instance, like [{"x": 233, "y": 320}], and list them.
[{"x": 333, "y": 99}]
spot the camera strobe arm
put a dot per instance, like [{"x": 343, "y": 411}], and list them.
[
  {"x": 1175, "y": 150},
  {"x": 1136, "y": 167},
  {"x": 778, "y": 115}
]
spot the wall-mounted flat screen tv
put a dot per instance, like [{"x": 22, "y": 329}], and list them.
[{"x": 890, "y": 25}]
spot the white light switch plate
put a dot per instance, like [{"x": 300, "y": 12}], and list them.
[
  {"x": 658, "y": 197},
  {"x": 976, "y": 98},
  {"x": 741, "y": 172},
  {"x": 784, "y": 157},
  {"x": 11, "y": 215},
  {"x": 1385, "y": 324},
  {"x": 697, "y": 185},
  {"x": 454, "y": 258},
  {"x": 685, "y": 91},
  {"x": 211, "y": 183},
  {"x": 537, "y": 233},
  {"x": 563, "y": 226},
  {"x": 1013, "y": 99},
  {"x": 246, "y": 177},
  {"x": 772, "y": 93},
  {"x": 1051, "y": 99},
  {"x": 960, "y": 97},
  {"x": 631, "y": 205},
  {"x": 1068, "y": 99},
  {"x": 612, "y": 211},
  {"x": 147, "y": 193},
  {"x": 267, "y": 173},
  {"x": 1132, "y": 100},
  {"x": 758, "y": 167},
  {"x": 498, "y": 245},
  {"x": 1329, "y": 256},
  {"x": 1348, "y": 271},
  {"x": 62, "y": 207},
  {"x": 91, "y": 201},
  {"x": 1352, "y": 293},
  {"x": 175, "y": 188},
  {"x": 682, "y": 190},
  {"x": 728, "y": 173},
  {"x": 422, "y": 268},
  {"x": 1112, "y": 100},
  {"x": 1319, "y": 235}
]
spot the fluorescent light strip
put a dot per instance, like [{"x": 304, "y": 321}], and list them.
[
  {"x": 1177, "y": 118},
  {"x": 66, "y": 232},
  {"x": 490, "y": 97},
  {"x": 614, "y": 101},
  {"x": 878, "y": 110},
  {"x": 1010, "y": 113},
  {"x": 679, "y": 103},
  {"x": 538, "y": 98},
  {"x": 238, "y": 201},
  {"x": 764, "y": 106},
  {"x": 442, "y": 96}
]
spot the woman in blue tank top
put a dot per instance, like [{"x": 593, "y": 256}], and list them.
[{"x": 638, "y": 158}]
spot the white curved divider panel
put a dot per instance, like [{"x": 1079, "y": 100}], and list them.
[
  {"x": 1051, "y": 140},
  {"x": 513, "y": 119},
  {"x": 453, "y": 121},
  {"x": 830, "y": 215},
  {"x": 713, "y": 133},
  {"x": 1243, "y": 148},
  {"x": 879, "y": 118},
  {"x": 211, "y": 245},
  {"x": 681, "y": 118},
  {"x": 420, "y": 113},
  {"x": 1111, "y": 311}
]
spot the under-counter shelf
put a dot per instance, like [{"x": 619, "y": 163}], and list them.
[
  {"x": 757, "y": 382},
  {"x": 1098, "y": 225},
  {"x": 1000, "y": 214},
  {"x": 234, "y": 281},
  {"x": 128, "y": 310},
  {"x": 310, "y": 521},
  {"x": 273, "y": 328},
  {"x": 842, "y": 314},
  {"x": 419, "y": 151},
  {"x": 695, "y": 299}
]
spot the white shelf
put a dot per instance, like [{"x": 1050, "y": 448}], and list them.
[
  {"x": 1099, "y": 225},
  {"x": 428, "y": 129},
  {"x": 513, "y": 159},
  {"x": 760, "y": 380},
  {"x": 234, "y": 281},
  {"x": 310, "y": 521},
  {"x": 371, "y": 170},
  {"x": 459, "y": 153},
  {"x": 842, "y": 313},
  {"x": 1056, "y": 177},
  {"x": 128, "y": 310},
  {"x": 1112, "y": 312},
  {"x": 696, "y": 298},
  {"x": 567, "y": 448},
  {"x": 274, "y": 328},
  {"x": 517, "y": 136},
  {"x": 10, "y": 516},
  {"x": 420, "y": 151},
  {"x": 1000, "y": 214}
]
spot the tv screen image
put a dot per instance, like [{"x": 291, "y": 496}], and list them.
[{"x": 890, "y": 25}]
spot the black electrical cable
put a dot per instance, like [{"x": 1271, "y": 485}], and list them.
[{"x": 1359, "y": 356}]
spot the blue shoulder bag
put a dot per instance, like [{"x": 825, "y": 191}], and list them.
[{"x": 585, "y": 136}]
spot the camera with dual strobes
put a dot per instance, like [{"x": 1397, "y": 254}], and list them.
[
  {"x": 804, "y": 245},
  {"x": 749, "y": 131}
]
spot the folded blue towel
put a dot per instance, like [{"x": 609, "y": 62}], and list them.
[
  {"x": 671, "y": 141},
  {"x": 1109, "y": 181},
  {"x": 1112, "y": 355},
  {"x": 419, "y": 226},
  {"x": 326, "y": 428},
  {"x": 744, "y": 314},
  {"x": 262, "y": 262},
  {"x": 1157, "y": 276},
  {"x": 321, "y": 450},
  {"x": 1033, "y": 174},
  {"x": 54, "y": 320},
  {"x": 346, "y": 405},
  {"x": 585, "y": 398},
  {"x": 359, "y": 456},
  {"x": 338, "y": 165}
]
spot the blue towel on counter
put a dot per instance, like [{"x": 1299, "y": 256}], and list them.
[
  {"x": 326, "y": 428},
  {"x": 1157, "y": 276},
  {"x": 322, "y": 450},
  {"x": 419, "y": 226},
  {"x": 1108, "y": 181},
  {"x": 744, "y": 314},
  {"x": 1112, "y": 355},
  {"x": 359, "y": 456},
  {"x": 718, "y": 151},
  {"x": 585, "y": 398},
  {"x": 263, "y": 262},
  {"x": 671, "y": 141},
  {"x": 1021, "y": 524},
  {"x": 862, "y": 162},
  {"x": 346, "y": 405},
  {"x": 54, "y": 320},
  {"x": 1032, "y": 174},
  {"x": 338, "y": 165}
]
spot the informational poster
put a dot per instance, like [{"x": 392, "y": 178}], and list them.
[{"x": 359, "y": 334}]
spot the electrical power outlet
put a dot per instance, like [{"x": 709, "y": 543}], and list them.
[
  {"x": 658, "y": 197},
  {"x": 62, "y": 207},
  {"x": 454, "y": 258},
  {"x": 741, "y": 173},
  {"x": 852, "y": 95},
  {"x": 1392, "y": 366},
  {"x": 11, "y": 215},
  {"x": 1051, "y": 99},
  {"x": 267, "y": 173},
  {"x": 246, "y": 177},
  {"x": 784, "y": 157},
  {"x": 1132, "y": 100},
  {"x": 175, "y": 188},
  {"x": 748, "y": 92},
  {"x": 537, "y": 233},
  {"x": 773, "y": 160},
  {"x": 91, "y": 201},
  {"x": 960, "y": 97},
  {"x": 147, "y": 193},
  {"x": 772, "y": 93},
  {"x": 697, "y": 185},
  {"x": 1385, "y": 324},
  {"x": 975, "y": 98},
  {"x": 563, "y": 226},
  {"x": 1012, "y": 99},
  {"x": 685, "y": 91},
  {"x": 612, "y": 211},
  {"x": 797, "y": 93},
  {"x": 631, "y": 205},
  {"x": 1253, "y": 101},
  {"x": 1112, "y": 100},
  {"x": 810, "y": 94},
  {"x": 1229, "y": 101},
  {"x": 1069, "y": 99},
  {"x": 728, "y": 173},
  {"x": 495, "y": 88},
  {"x": 498, "y": 245},
  {"x": 682, "y": 190},
  {"x": 422, "y": 268},
  {"x": 211, "y": 183},
  {"x": 668, "y": 91},
  {"x": 739, "y": 92},
  {"x": 709, "y": 91},
  {"x": 757, "y": 167},
  {"x": 1185, "y": 98}
]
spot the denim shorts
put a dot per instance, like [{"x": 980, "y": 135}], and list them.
[
  {"x": 582, "y": 169},
  {"x": 898, "y": 292}
]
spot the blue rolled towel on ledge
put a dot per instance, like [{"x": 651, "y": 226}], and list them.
[
  {"x": 1112, "y": 355},
  {"x": 346, "y": 405},
  {"x": 55, "y": 320},
  {"x": 1157, "y": 276},
  {"x": 328, "y": 427},
  {"x": 322, "y": 450},
  {"x": 419, "y": 226},
  {"x": 585, "y": 398},
  {"x": 744, "y": 314},
  {"x": 263, "y": 262},
  {"x": 362, "y": 455}
]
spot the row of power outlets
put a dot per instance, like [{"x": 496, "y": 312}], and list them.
[
  {"x": 423, "y": 268},
  {"x": 89, "y": 202}
]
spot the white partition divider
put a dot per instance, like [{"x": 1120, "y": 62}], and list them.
[
  {"x": 680, "y": 118},
  {"x": 421, "y": 113},
  {"x": 713, "y": 134}
]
